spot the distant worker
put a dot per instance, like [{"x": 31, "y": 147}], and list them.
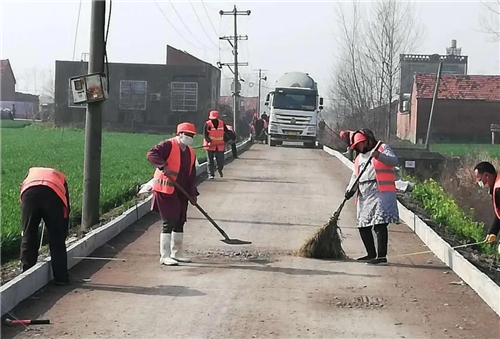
[
  {"x": 213, "y": 143},
  {"x": 259, "y": 127},
  {"x": 14, "y": 110},
  {"x": 174, "y": 159},
  {"x": 230, "y": 138},
  {"x": 45, "y": 195},
  {"x": 487, "y": 177},
  {"x": 346, "y": 136},
  {"x": 265, "y": 117},
  {"x": 376, "y": 194}
]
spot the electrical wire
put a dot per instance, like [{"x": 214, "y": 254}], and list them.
[
  {"x": 186, "y": 26},
  {"x": 210, "y": 20},
  {"x": 76, "y": 30},
  {"x": 202, "y": 27},
  {"x": 175, "y": 29}
]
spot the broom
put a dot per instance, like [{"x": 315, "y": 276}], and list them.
[{"x": 326, "y": 243}]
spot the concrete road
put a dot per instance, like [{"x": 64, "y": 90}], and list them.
[{"x": 275, "y": 197}]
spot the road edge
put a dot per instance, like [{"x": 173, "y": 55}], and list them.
[
  {"x": 486, "y": 288},
  {"x": 27, "y": 283}
]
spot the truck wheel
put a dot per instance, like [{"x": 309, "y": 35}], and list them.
[
  {"x": 279, "y": 143},
  {"x": 272, "y": 143},
  {"x": 310, "y": 144}
]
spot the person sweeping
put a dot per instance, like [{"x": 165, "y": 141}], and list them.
[
  {"x": 174, "y": 159},
  {"x": 376, "y": 194},
  {"x": 487, "y": 177},
  {"x": 213, "y": 143}
]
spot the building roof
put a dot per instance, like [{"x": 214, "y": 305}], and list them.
[
  {"x": 5, "y": 67},
  {"x": 459, "y": 87}
]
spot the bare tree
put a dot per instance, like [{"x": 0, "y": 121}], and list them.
[
  {"x": 490, "y": 22},
  {"x": 368, "y": 71}
]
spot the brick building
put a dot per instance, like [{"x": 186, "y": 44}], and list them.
[
  {"x": 145, "y": 96},
  {"x": 467, "y": 105}
]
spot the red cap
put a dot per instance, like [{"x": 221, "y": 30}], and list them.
[
  {"x": 213, "y": 115},
  {"x": 186, "y": 127},
  {"x": 358, "y": 138}
]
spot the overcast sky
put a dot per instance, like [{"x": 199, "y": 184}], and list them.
[{"x": 283, "y": 36}]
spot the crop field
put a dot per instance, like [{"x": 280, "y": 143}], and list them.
[
  {"x": 461, "y": 150},
  {"x": 124, "y": 165}
]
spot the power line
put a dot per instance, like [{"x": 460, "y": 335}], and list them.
[
  {"x": 186, "y": 26},
  {"x": 175, "y": 29},
  {"x": 210, "y": 20},
  {"x": 201, "y": 24},
  {"x": 76, "y": 30}
]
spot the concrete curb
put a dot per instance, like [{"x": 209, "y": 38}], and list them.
[
  {"x": 486, "y": 288},
  {"x": 27, "y": 283}
]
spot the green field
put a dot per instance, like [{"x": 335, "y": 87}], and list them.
[
  {"x": 124, "y": 166},
  {"x": 461, "y": 150}
]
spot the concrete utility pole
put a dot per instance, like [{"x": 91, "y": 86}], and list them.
[
  {"x": 434, "y": 98},
  {"x": 234, "y": 44},
  {"x": 260, "y": 83},
  {"x": 93, "y": 122}
]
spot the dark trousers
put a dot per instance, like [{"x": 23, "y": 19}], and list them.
[
  {"x": 172, "y": 225},
  {"x": 37, "y": 203},
  {"x": 219, "y": 157},
  {"x": 382, "y": 240},
  {"x": 234, "y": 150}
]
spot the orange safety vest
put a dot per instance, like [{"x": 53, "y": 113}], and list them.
[
  {"x": 41, "y": 176},
  {"x": 495, "y": 187},
  {"x": 216, "y": 136},
  {"x": 161, "y": 183},
  {"x": 384, "y": 174}
]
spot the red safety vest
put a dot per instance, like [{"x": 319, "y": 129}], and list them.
[
  {"x": 216, "y": 136},
  {"x": 384, "y": 174},
  {"x": 496, "y": 186},
  {"x": 161, "y": 183},
  {"x": 41, "y": 176}
]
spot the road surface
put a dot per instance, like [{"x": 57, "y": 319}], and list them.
[{"x": 275, "y": 197}]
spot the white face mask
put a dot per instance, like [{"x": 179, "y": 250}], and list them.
[
  {"x": 481, "y": 184},
  {"x": 188, "y": 141}
]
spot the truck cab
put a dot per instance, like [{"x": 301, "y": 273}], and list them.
[{"x": 293, "y": 110}]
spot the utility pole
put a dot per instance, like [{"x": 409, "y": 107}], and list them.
[
  {"x": 434, "y": 98},
  {"x": 234, "y": 44},
  {"x": 260, "y": 82},
  {"x": 93, "y": 122}
]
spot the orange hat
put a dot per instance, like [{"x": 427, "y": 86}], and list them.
[
  {"x": 213, "y": 115},
  {"x": 186, "y": 127},
  {"x": 358, "y": 138},
  {"x": 342, "y": 134}
]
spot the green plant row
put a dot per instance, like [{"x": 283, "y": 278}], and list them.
[{"x": 444, "y": 210}]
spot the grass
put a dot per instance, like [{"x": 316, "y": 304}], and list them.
[
  {"x": 444, "y": 210},
  {"x": 14, "y": 124},
  {"x": 124, "y": 165},
  {"x": 461, "y": 150}
]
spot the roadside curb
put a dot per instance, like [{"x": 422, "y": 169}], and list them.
[
  {"x": 486, "y": 288},
  {"x": 27, "y": 283}
]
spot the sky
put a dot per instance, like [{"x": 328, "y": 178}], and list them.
[{"x": 282, "y": 36}]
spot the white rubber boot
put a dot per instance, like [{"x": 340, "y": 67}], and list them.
[
  {"x": 165, "y": 259},
  {"x": 177, "y": 253}
]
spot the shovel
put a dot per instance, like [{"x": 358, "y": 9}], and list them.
[{"x": 226, "y": 239}]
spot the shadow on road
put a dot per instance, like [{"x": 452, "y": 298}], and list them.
[
  {"x": 249, "y": 222},
  {"x": 166, "y": 290}
]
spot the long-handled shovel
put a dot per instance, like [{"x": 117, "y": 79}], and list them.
[{"x": 226, "y": 239}]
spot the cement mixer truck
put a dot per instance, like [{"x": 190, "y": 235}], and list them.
[{"x": 294, "y": 105}]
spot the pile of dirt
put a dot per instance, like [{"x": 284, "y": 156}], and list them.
[{"x": 485, "y": 263}]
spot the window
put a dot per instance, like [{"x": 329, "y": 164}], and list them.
[
  {"x": 133, "y": 95},
  {"x": 184, "y": 96},
  {"x": 295, "y": 101},
  {"x": 70, "y": 98}
]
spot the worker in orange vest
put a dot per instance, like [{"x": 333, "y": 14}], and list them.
[
  {"x": 376, "y": 194},
  {"x": 45, "y": 195},
  {"x": 174, "y": 159},
  {"x": 346, "y": 136},
  {"x": 213, "y": 142},
  {"x": 487, "y": 177},
  {"x": 230, "y": 138}
]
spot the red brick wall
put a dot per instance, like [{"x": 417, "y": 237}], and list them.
[
  {"x": 176, "y": 57},
  {"x": 407, "y": 122},
  {"x": 466, "y": 120}
]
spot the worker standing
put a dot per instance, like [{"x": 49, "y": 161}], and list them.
[
  {"x": 45, "y": 195},
  {"x": 230, "y": 137},
  {"x": 213, "y": 143},
  {"x": 174, "y": 159},
  {"x": 346, "y": 136},
  {"x": 487, "y": 177},
  {"x": 376, "y": 194}
]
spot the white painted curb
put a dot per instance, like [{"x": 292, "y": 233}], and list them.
[
  {"x": 27, "y": 283},
  {"x": 486, "y": 288}
]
